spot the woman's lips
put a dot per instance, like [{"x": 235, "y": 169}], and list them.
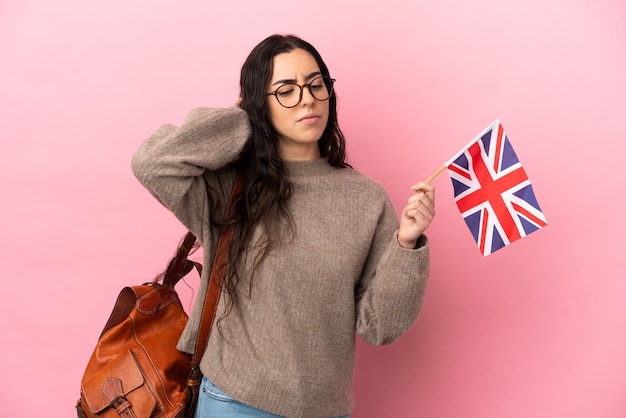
[{"x": 311, "y": 118}]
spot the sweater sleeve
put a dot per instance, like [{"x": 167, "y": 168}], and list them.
[
  {"x": 391, "y": 290},
  {"x": 172, "y": 161}
]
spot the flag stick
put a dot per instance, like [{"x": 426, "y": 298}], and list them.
[{"x": 436, "y": 173}]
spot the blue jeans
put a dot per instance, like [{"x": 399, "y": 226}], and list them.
[{"x": 214, "y": 403}]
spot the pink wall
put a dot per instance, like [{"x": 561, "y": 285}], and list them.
[{"x": 535, "y": 330}]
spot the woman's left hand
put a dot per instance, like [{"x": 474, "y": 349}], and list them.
[{"x": 417, "y": 214}]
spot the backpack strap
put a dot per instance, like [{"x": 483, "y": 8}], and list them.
[
  {"x": 218, "y": 268},
  {"x": 214, "y": 287}
]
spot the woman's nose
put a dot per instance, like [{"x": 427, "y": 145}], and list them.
[{"x": 307, "y": 96}]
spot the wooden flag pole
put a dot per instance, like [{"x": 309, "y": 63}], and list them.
[{"x": 436, "y": 173}]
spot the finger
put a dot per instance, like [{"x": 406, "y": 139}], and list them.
[
  {"x": 419, "y": 209},
  {"x": 422, "y": 203},
  {"x": 423, "y": 209},
  {"x": 427, "y": 198},
  {"x": 427, "y": 188},
  {"x": 422, "y": 185},
  {"x": 420, "y": 217}
]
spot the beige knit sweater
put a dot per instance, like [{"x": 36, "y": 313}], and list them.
[{"x": 289, "y": 348}]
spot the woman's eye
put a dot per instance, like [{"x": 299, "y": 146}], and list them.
[{"x": 284, "y": 92}]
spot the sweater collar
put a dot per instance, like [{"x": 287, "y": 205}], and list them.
[{"x": 306, "y": 169}]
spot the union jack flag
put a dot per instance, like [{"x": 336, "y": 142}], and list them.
[{"x": 493, "y": 192}]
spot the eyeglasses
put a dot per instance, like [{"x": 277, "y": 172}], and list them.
[{"x": 290, "y": 94}]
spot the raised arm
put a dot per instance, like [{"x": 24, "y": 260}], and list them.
[{"x": 172, "y": 161}]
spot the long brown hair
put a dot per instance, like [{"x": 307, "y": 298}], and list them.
[{"x": 267, "y": 188}]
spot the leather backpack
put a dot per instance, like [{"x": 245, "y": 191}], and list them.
[{"x": 135, "y": 370}]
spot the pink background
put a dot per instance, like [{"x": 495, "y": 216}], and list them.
[{"x": 535, "y": 330}]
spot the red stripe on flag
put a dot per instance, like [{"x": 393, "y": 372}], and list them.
[
  {"x": 459, "y": 171},
  {"x": 483, "y": 231},
  {"x": 529, "y": 215},
  {"x": 496, "y": 159}
]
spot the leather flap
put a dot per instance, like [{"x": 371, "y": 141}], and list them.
[
  {"x": 123, "y": 368},
  {"x": 148, "y": 303}
]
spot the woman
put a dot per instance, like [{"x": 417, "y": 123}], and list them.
[{"x": 318, "y": 253}]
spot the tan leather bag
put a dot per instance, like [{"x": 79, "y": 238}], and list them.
[{"x": 135, "y": 370}]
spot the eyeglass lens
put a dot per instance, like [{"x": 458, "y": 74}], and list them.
[{"x": 289, "y": 95}]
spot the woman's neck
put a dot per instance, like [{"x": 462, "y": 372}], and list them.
[{"x": 299, "y": 152}]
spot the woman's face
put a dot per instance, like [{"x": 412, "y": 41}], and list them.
[{"x": 299, "y": 127}]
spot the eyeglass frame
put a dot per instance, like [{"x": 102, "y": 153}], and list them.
[{"x": 301, "y": 87}]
